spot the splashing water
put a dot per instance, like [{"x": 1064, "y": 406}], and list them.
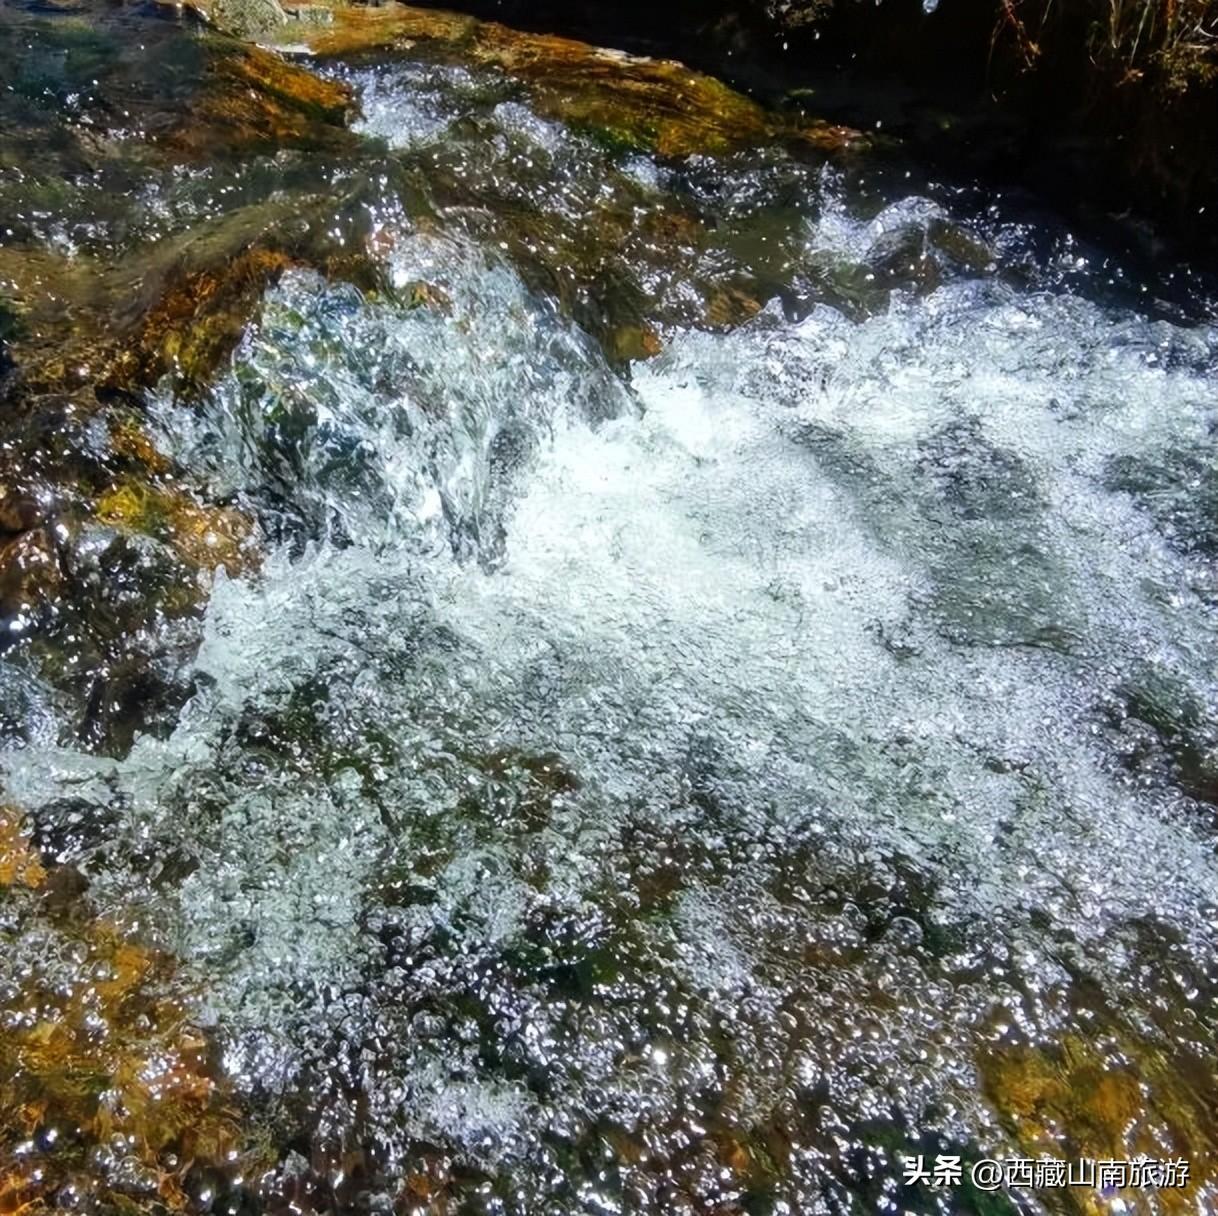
[{"x": 680, "y": 790}]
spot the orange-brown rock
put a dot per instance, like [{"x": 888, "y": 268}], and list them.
[
  {"x": 108, "y": 1059},
  {"x": 651, "y": 104},
  {"x": 204, "y": 537},
  {"x": 253, "y": 99},
  {"x": 195, "y": 318},
  {"x": 1074, "y": 1100},
  {"x": 19, "y": 864}
]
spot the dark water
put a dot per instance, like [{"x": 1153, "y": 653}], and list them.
[{"x": 722, "y": 697}]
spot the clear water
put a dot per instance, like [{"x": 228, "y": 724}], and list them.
[{"x": 615, "y": 774}]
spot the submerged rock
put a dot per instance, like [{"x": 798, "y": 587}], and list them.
[
  {"x": 254, "y": 100},
  {"x": 19, "y": 512},
  {"x": 204, "y": 537},
  {"x": 1111, "y": 1097},
  {"x": 581, "y": 787},
  {"x": 19, "y": 864},
  {"x": 105, "y": 547},
  {"x": 31, "y": 578},
  {"x": 109, "y": 1094}
]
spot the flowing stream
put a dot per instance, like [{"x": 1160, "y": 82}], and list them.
[{"x": 684, "y": 783}]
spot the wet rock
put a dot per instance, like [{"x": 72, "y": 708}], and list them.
[
  {"x": 245, "y": 18},
  {"x": 130, "y": 443},
  {"x": 179, "y": 307},
  {"x": 635, "y": 342},
  {"x": 102, "y": 1075},
  {"x": 730, "y": 306},
  {"x": 88, "y": 293},
  {"x": 59, "y": 327},
  {"x": 19, "y": 864},
  {"x": 102, "y": 594},
  {"x": 427, "y": 295},
  {"x": 63, "y": 889},
  {"x": 31, "y": 581},
  {"x": 105, "y": 558},
  {"x": 1111, "y": 1098},
  {"x": 387, "y": 27},
  {"x": 108, "y": 615},
  {"x": 1179, "y": 489},
  {"x": 204, "y": 537},
  {"x": 627, "y": 102},
  {"x": 19, "y": 511},
  {"x": 1177, "y": 719},
  {"x": 310, "y": 14},
  {"x": 253, "y": 99},
  {"x": 196, "y": 319}
]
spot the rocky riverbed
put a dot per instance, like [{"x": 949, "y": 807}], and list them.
[{"x": 575, "y": 642}]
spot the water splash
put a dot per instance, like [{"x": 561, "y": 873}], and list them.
[{"x": 611, "y": 783}]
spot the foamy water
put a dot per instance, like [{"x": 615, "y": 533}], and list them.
[{"x": 745, "y": 743}]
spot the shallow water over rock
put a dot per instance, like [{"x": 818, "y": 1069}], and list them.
[{"x": 726, "y": 698}]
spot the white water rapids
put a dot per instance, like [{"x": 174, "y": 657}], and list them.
[{"x": 756, "y": 733}]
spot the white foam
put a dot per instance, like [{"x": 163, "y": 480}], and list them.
[{"x": 865, "y": 585}]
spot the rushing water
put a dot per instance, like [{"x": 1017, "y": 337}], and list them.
[{"x": 686, "y": 785}]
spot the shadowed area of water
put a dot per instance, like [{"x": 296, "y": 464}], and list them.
[{"x": 684, "y": 783}]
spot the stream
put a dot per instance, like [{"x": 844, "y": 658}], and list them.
[{"x": 718, "y": 696}]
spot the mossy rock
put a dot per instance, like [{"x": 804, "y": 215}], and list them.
[
  {"x": 109, "y": 1063},
  {"x": 252, "y": 100},
  {"x": 205, "y": 537},
  {"x": 623, "y": 101},
  {"x": 178, "y": 307},
  {"x": 247, "y": 18},
  {"x": 1076, "y": 1099}
]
